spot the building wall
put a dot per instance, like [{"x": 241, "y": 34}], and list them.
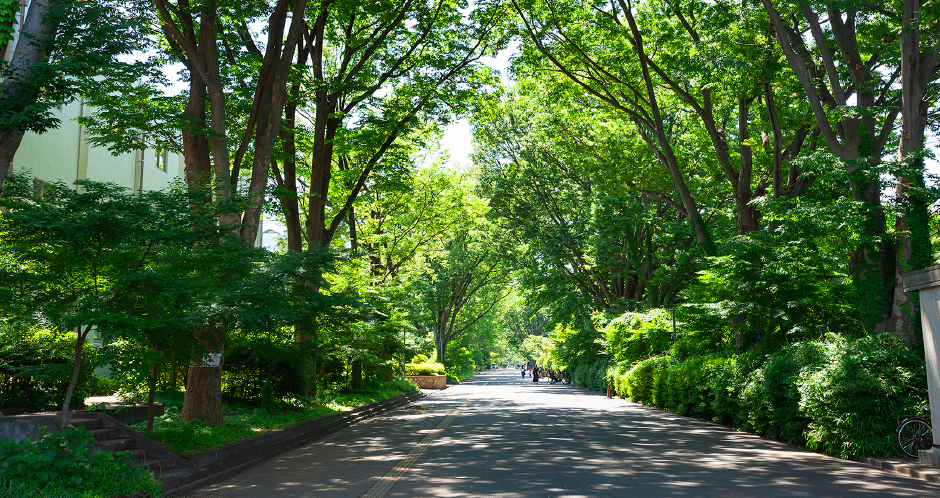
[{"x": 63, "y": 154}]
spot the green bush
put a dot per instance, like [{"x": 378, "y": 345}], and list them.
[
  {"x": 256, "y": 362},
  {"x": 857, "y": 397},
  {"x": 634, "y": 336},
  {"x": 424, "y": 369},
  {"x": 66, "y": 464},
  {"x": 591, "y": 374},
  {"x": 102, "y": 386},
  {"x": 36, "y": 367},
  {"x": 842, "y": 397},
  {"x": 421, "y": 358}
]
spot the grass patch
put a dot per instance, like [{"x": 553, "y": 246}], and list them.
[
  {"x": 243, "y": 420},
  {"x": 455, "y": 374}
]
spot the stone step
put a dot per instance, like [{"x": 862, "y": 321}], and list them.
[
  {"x": 118, "y": 444},
  {"x": 156, "y": 466},
  {"x": 101, "y": 434},
  {"x": 138, "y": 454},
  {"x": 88, "y": 423}
]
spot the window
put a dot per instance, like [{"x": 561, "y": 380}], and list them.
[
  {"x": 40, "y": 188},
  {"x": 162, "y": 156}
]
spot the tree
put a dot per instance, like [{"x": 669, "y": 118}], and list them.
[
  {"x": 591, "y": 224},
  {"x": 675, "y": 72},
  {"x": 848, "y": 70},
  {"x": 231, "y": 118},
  {"x": 77, "y": 259},
  {"x": 377, "y": 76},
  {"x": 463, "y": 285}
]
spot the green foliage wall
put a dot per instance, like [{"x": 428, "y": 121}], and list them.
[
  {"x": 840, "y": 396},
  {"x": 253, "y": 361},
  {"x": 35, "y": 366}
]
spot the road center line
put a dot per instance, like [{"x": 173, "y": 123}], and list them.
[{"x": 385, "y": 483}]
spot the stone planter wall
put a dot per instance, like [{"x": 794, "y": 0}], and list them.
[
  {"x": 22, "y": 427},
  {"x": 429, "y": 381}
]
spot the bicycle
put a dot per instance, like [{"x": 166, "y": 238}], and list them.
[{"x": 914, "y": 433}]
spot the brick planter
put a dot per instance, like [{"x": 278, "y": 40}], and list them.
[{"x": 429, "y": 381}]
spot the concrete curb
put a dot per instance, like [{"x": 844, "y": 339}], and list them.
[
  {"x": 910, "y": 468},
  {"x": 220, "y": 463}
]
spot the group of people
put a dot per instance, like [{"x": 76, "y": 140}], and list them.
[{"x": 538, "y": 371}]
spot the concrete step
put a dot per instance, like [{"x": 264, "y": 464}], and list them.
[
  {"x": 101, "y": 434},
  {"x": 156, "y": 466},
  {"x": 88, "y": 423},
  {"x": 118, "y": 444},
  {"x": 138, "y": 454}
]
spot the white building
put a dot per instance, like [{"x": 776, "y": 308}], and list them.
[{"x": 64, "y": 154}]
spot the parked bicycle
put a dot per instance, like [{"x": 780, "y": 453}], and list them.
[{"x": 914, "y": 434}]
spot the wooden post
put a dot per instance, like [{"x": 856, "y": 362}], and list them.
[{"x": 927, "y": 283}]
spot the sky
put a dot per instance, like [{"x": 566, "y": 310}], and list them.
[{"x": 457, "y": 137}]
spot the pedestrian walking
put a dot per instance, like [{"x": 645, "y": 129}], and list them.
[
  {"x": 523, "y": 372},
  {"x": 535, "y": 374}
]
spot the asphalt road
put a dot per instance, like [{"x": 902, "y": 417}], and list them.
[{"x": 500, "y": 435}]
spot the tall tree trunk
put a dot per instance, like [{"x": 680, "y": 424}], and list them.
[
  {"x": 203, "y": 397},
  {"x": 355, "y": 378},
  {"x": 914, "y": 248},
  {"x": 747, "y": 213},
  {"x": 205, "y": 382},
  {"x": 9, "y": 144},
  {"x": 442, "y": 348},
  {"x": 30, "y": 49},
  {"x": 151, "y": 389}
]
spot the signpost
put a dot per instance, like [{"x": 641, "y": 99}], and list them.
[{"x": 927, "y": 283}]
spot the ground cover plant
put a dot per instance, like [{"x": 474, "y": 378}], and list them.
[
  {"x": 245, "y": 420},
  {"x": 64, "y": 464}
]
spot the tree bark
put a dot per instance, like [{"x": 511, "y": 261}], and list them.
[
  {"x": 205, "y": 382},
  {"x": 355, "y": 378},
  {"x": 30, "y": 49},
  {"x": 151, "y": 388},
  {"x": 9, "y": 144},
  {"x": 76, "y": 370}
]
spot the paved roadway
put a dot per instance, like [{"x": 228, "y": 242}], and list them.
[{"x": 500, "y": 435}]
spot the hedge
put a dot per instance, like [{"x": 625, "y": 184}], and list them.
[
  {"x": 424, "y": 369},
  {"x": 843, "y": 397}
]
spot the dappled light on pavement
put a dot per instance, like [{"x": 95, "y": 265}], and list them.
[{"x": 516, "y": 438}]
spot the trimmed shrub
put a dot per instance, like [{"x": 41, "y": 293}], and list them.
[
  {"x": 590, "y": 374},
  {"x": 841, "y": 397},
  {"x": 424, "y": 369}
]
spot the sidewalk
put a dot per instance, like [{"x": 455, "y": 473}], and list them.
[{"x": 911, "y": 468}]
